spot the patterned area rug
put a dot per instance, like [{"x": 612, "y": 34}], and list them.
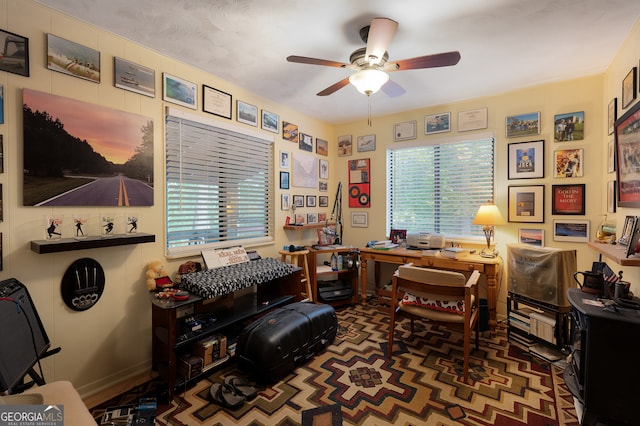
[{"x": 421, "y": 384}]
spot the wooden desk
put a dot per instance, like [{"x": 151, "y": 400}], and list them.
[{"x": 489, "y": 267}]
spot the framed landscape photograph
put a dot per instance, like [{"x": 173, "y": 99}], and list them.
[
  {"x": 345, "y": 147},
  {"x": 437, "y": 123},
  {"x": 568, "y": 127},
  {"x": 216, "y": 102},
  {"x": 535, "y": 237},
  {"x": 526, "y": 160},
  {"x": 270, "y": 121},
  {"x": 179, "y": 91},
  {"x": 366, "y": 143},
  {"x": 629, "y": 88},
  {"x": 568, "y": 199},
  {"x": 523, "y": 125},
  {"x": 73, "y": 59},
  {"x": 247, "y": 113},
  {"x": 571, "y": 230},
  {"x": 627, "y": 137},
  {"x": 322, "y": 147},
  {"x": 134, "y": 78},
  {"x": 16, "y": 53},
  {"x": 526, "y": 204}
]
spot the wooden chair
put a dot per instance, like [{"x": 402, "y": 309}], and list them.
[
  {"x": 300, "y": 258},
  {"x": 440, "y": 297}
]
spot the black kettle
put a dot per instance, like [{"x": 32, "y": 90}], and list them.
[{"x": 592, "y": 282}]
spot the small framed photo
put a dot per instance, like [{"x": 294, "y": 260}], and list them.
[
  {"x": 526, "y": 204},
  {"x": 134, "y": 78},
  {"x": 324, "y": 169},
  {"x": 612, "y": 114},
  {"x": 1, "y": 104},
  {"x": 16, "y": 53},
  {"x": 300, "y": 219},
  {"x": 569, "y": 163},
  {"x": 396, "y": 235},
  {"x": 298, "y": 201},
  {"x": 568, "y": 199},
  {"x": 285, "y": 202},
  {"x": 535, "y": 237},
  {"x": 404, "y": 131},
  {"x": 360, "y": 219},
  {"x": 323, "y": 186},
  {"x": 247, "y": 113},
  {"x": 284, "y": 159},
  {"x": 322, "y": 147},
  {"x": 322, "y": 217},
  {"x": 284, "y": 180},
  {"x": 576, "y": 231},
  {"x": 611, "y": 157},
  {"x": 73, "y": 59},
  {"x": 629, "y": 87},
  {"x": 311, "y": 200},
  {"x": 568, "y": 127},
  {"x": 345, "y": 147},
  {"x": 437, "y": 123},
  {"x": 611, "y": 196},
  {"x": 290, "y": 131},
  {"x": 366, "y": 143},
  {"x": 630, "y": 224},
  {"x": 270, "y": 121},
  {"x": 312, "y": 218},
  {"x": 216, "y": 102},
  {"x": 179, "y": 91},
  {"x": 305, "y": 142},
  {"x": 522, "y": 125},
  {"x": 323, "y": 201},
  {"x": 526, "y": 160}
]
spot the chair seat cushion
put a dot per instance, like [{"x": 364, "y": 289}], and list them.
[{"x": 455, "y": 306}]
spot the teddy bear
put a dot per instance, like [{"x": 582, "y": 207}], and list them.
[{"x": 155, "y": 270}]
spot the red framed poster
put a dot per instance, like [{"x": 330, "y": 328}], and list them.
[
  {"x": 359, "y": 183},
  {"x": 568, "y": 199}
]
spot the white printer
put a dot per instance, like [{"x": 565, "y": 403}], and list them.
[{"x": 425, "y": 240}]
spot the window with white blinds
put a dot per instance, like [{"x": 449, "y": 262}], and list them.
[
  {"x": 439, "y": 188},
  {"x": 218, "y": 184}
]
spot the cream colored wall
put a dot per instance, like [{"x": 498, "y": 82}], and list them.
[{"x": 112, "y": 340}]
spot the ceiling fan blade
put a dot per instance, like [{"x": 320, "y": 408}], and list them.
[
  {"x": 381, "y": 31},
  {"x": 315, "y": 61},
  {"x": 393, "y": 89},
  {"x": 334, "y": 87},
  {"x": 429, "y": 61}
]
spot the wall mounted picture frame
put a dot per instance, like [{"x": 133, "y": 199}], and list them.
[
  {"x": 66, "y": 57},
  {"x": 217, "y": 102},
  {"x": 179, "y": 91},
  {"x": 322, "y": 147},
  {"x": 576, "y": 231},
  {"x": 323, "y": 201},
  {"x": 359, "y": 219},
  {"x": 1, "y": 104},
  {"x": 133, "y": 77},
  {"x": 611, "y": 196},
  {"x": 305, "y": 170},
  {"x": 473, "y": 119},
  {"x": 437, "y": 123},
  {"x": 526, "y": 203},
  {"x": 246, "y": 113},
  {"x": 522, "y": 125},
  {"x": 366, "y": 143},
  {"x": 290, "y": 132},
  {"x": 298, "y": 201},
  {"x": 569, "y": 163},
  {"x": 284, "y": 180},
  {"x": 312, "y": 218},
  {"x": 534, "y": 237},
  {"x": 611, "y": 156},
  {"x": 323, "y": 186},
  {"x": 270, "y": 121},
  {"x": 323, "y": 169},
  {"x": 16, "y": 53},
  {"x": 285, "y": 202},
  {"x": 404, "y": 131},
  {"x": 568, "y": 127},
  {"x": 629, "y": 87},
  {"x": 612, "y": 115},
  {"x": 526, "y": 160},
  {"x": 568, "y": 199},
  {"x": 285, "y": 159},
  {"x": 627, "y": 138},
  {"x": 345, "y": 146},
  {"x": 311, "y": 201},
  {"x": 305, "y": 142}
]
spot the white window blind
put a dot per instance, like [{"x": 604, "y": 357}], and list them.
[
  {"x": 218, "y": 185},
  {"x": 439, "y": 188}
]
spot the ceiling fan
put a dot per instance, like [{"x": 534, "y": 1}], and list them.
[{"x": 371, "y": 62}]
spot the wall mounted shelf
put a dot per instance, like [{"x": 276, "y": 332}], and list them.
[
  {"x": 615, "y": 253},
  {"x": 307, "y": 226},
  {"x": 70, "y": 244}
]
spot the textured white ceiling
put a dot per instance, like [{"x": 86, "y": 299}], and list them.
[{"x": 504, "y": 44}]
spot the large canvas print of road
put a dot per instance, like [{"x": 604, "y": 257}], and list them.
[{"x": 80, "y": 154}]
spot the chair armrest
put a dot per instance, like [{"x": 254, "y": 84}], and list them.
[{"x": 473, "y": 279}]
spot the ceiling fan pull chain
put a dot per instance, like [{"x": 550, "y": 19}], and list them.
[{"x": 369, "y": 115}]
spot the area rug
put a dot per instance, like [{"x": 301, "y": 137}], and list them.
[{"x": 421, "y": 385}]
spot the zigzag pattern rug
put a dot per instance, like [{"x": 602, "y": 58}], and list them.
[{"x": 421, "y": 385}]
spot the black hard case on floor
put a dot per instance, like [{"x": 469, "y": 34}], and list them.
[{"x": 273, "y": 345}]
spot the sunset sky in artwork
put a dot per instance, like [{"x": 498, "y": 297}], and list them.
[{"x": 114, "y": 134}]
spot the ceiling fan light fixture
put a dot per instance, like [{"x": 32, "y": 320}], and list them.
[{"x": 368, "y": 81}]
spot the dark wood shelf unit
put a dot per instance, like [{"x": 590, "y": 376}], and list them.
[{"x": 71, "y": 244}]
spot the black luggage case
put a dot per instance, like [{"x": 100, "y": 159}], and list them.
[{"x": 273, "y": 345}]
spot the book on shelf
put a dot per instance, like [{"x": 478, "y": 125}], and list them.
[
  {"x": 543, "y": 326},
  {"x": 524, "y": 326}
]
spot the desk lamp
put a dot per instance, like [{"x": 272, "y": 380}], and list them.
[{"x": 488, "y": 215}]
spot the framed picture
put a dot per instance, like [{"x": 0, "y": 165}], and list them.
[
  {"x": 344, "y": 146},
  {"x": 522, "y": 125},
  {"x": 568, "y": 127},
  {"x": 1, "y": 155},
  {"x": 179, "y": 91},
  {"x": 247, "y": 113},
  {"x": 360, "y": 219},
  {"x": 300, "y": 219},
  {"x": 323, "y": 201},
  {"x": 284, "y": 159},
  {"x": 535, "y": 237},
  {"x": 134, "y": 78},
  {"x": 312, "y": 218},
  {"x": 73, "y": 59},
  {"x": 322, "y": 217},
  {"x": 568, "y": 199},
  {"x": 322, "y": 147},
  {"x": 569, "y": 163},
  {"x": 630, "y": 224},
  {"x": 629, "y": 87},
  {"x": 396, "y": 235},
  {"x": 298, "y": 201},
  {"x": 404, "y": 131},
  {"x": 284, "y": 180},
  {"x": 323, "y": 186},
  {"x": 324, "y": 169},
  {"x": 290, "y": 131},
  {"x": 611, "y": 196},
  {"x": 1, "y": 104},
  {"x": 366, "y": 143},
  {"x": 16, "y": 53},
  {"x": 437, "y": 123},
  {"x": 571, "y": 230},
  {"x": 285, "y": 202},
  {"x": 612, "y": 114},
  {"x": 627, "y": 137},
  {"x": 611, "y": 157},
  {"x": 526, "y": 204},
  {"x": 270, "y": 121},
  {"x": 216, "y": 102},
  {"x": 526, "y": 160},
  {"x": 305, "y": 142},
  {"x": 474, "y": 119},
  {"x": 311, "y": 200}
]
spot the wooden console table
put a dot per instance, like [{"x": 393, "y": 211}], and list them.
[{"x": 490, "y": 267}]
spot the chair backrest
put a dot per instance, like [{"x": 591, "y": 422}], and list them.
[{"x": 432, "y": 276}]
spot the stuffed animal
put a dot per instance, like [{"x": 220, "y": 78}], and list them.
[{"x": 155, "y": 270}]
